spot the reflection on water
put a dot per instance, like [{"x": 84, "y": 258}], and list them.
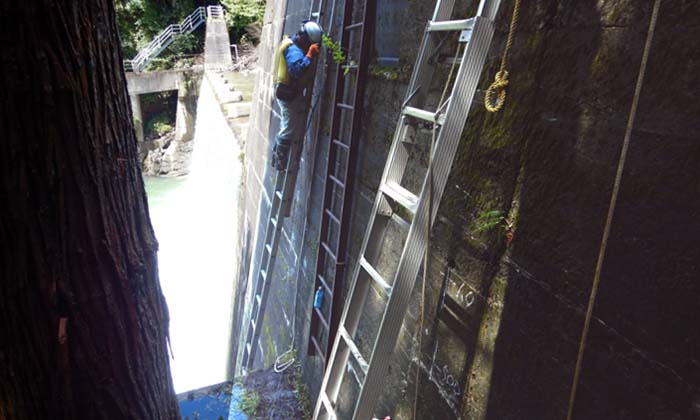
[{"x": 195, "y": 223}]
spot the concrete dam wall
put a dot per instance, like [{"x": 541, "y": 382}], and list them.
[{"x": 495, "y": 331}]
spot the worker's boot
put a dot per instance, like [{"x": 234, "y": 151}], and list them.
[{"x": 280, "y": 153}]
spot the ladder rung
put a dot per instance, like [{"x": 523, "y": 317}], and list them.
[
  {"x": 273, "y": 220},
  {"x": 337, "y": 181},
  {"x": 325, "y": 286},
  {"x": 258, "y": 298},
  {"x": 374, "y": 274},
  {"x": 268, "y": 247},
  {"x": 345, "y": 106},
  {"x": 248, "y": 346},
  {"x": 451, "y": 25},
  {"x": 349, "y": 66},
  {"x": 278, "y": 194},
  {"x": 332, "y": 216},
  {"x": 419, "y": 113},
  {"x": 320, "y": 316},
  {"x": 354, "y": 26},
  {"x": 263, "y": 274},
  {"x": 328, "y": 250},
  {"x": 252, "y": 324},
  {"x": 341, "y": 144},
  {"x": 401, "y": 195},
  {"x": 354, "y": 350},
  {"x": 318, "y": 349}
]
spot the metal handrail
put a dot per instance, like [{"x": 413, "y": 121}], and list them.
[
  {"x": 166, "y": 37},
  {"x": 215, "y": 12}
]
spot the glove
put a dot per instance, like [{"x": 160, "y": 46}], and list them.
[{"x": 313, "y": 51}]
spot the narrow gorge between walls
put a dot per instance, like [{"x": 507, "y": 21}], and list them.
[{"x": 195, "y": 222}]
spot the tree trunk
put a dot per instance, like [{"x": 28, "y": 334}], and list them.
[{"x": 77, "y": 246}]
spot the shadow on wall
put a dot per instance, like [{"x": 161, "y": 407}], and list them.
[{"x": 641, "y": 361}]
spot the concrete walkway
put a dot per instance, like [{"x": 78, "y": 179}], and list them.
[{"x": 217, "y": 46}]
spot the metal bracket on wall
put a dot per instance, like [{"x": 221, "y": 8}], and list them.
[{"x": 364, "y": 374}]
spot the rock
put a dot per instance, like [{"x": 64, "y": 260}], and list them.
[{"x": 165, "y": 156}]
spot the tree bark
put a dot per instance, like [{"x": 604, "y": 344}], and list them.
[{"x": 77, "y": 247}]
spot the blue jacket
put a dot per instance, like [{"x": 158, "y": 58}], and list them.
[{"x": 297, "y": 62}]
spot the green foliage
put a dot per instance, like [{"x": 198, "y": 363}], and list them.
[
  {"x": 249, "y": 402},
  {"x": 186, "y": 44},
  {"x": 339, "y": 56},
  {"x": 301, "y": 392},
  {"x": 169, "y": 62},
  {"x": 139, "y": 21},
  {"x": 159, "y": 124},
  {"x": 244, "y": 18},
  {"x": 335, "y": 48},
  {"x": 489, "y": 220},
  {"x": 384, "y": 72}
]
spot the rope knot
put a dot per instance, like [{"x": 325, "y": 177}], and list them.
[{"x": 500, "y": 82}]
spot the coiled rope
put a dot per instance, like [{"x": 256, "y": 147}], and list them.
[
  {"x": 611, "y": 207},
  {"x": 500, "y": 82}
]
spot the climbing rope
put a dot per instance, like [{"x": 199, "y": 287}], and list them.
[
  {"x": 500, "y": 82},
  {"x": 611, "y": 207}
]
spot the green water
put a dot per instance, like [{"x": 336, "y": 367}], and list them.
[{"x": 158, "y": 189}]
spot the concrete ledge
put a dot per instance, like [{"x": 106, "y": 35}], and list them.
[
  {"x": 156, "y": 81},
  {"x": 235, "y": 110}
]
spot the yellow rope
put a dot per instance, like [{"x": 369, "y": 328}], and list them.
[
  {"x": 611, "y": 208},
  {"x": 500, "y": 82}
]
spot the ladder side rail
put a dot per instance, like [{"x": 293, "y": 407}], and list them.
[
  {"x": 353, "y": 154},
  {"x": 445, "y": 149},
  {"x": 488, "y": 9},
  {"x": 263, "y": 301},
  {"x": 267, "y": 261},
  {"x": 272, "y": 239}
]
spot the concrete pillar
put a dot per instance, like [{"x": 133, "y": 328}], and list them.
[
  {"x": 184, "y": 118},
  {"x": 138, "y": 117}
]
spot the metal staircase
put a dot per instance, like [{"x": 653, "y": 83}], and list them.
[
  {"x": 361, "y": 375},
  {"x": 340, "y": 175},
  {"x": 167, "y": 36}
]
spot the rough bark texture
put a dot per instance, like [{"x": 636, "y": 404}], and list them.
[{"x": 76, "y": 236}]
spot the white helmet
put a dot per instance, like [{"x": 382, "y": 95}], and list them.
[{"x": 313, "y": 31}]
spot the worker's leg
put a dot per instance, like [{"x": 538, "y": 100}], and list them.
[
  {"x": 283, "y": 142},
  {"x": 291, "y": 132}
]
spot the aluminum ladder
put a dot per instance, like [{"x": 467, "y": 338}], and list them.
[
  {"x": 366, "y": 375},
  {"x": 340, "y": 175},
  {"x": 264, "y": 278}
]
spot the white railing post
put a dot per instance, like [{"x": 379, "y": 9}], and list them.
[
  {"x": 215, "y": 12},
  {"x": 235, "y": 50}
]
